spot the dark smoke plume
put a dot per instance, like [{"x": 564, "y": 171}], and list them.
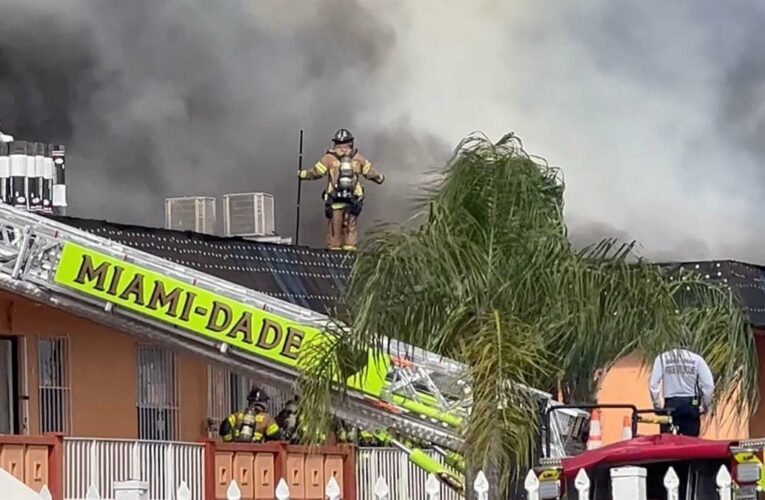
[
  {"x": 653, "y": 109},
  {"x": 168, "y": 98}
]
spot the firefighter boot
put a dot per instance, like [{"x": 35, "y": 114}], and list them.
[{"x": 350, "y": 232}]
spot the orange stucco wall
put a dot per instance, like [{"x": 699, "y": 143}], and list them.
[
  {"x": 103, "y": 371},
  {"x": 757, "y": 422},
  {"x": 192, "y": 376},
  {"x": 627, "y": 382}
]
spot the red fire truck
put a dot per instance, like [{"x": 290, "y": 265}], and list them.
[{"x": 696, "y": 462}]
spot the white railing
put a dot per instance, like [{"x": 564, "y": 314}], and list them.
[
  {"x": 405, "y": 480},
  {"x": 631, "y": 484},
  {"x": 12, "y": 487},
  {"x": 332, "y": 491},
  {"x": 97, "y": 464}
]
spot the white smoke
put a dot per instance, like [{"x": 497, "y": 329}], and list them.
[{"x": 626, "y": 97}]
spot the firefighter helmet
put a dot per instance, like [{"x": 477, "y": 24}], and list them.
[
  {"x": 257, "y": 395},
  {"x": 343, "y": 136}
]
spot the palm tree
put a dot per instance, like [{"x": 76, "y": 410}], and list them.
[{"x": 485, "y": 274}]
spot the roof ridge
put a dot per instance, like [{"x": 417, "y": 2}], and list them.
[
  {"x": 191, "y": 234},
  {"x": 307, "y": 277}
]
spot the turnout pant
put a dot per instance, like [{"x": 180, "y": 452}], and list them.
[
  {"x": 342, "y": 229},
  {"x": 685, "y": 415}
]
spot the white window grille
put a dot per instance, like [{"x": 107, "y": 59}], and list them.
[
  {"x": 158, "y": 416},
  {"x": 227, "y": 393},
  {"x": 54, "y": 384}
]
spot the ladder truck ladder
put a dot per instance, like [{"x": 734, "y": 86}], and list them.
[{"x": 412, "y": 392}]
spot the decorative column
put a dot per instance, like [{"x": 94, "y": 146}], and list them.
[
  {"x": 131, "y": 490},
  {"x": 628, "y": 483}
]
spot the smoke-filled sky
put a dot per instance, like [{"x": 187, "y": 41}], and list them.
[{"x": 654, "y": 110}]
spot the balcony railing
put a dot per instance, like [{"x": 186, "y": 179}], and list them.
[
  {"x": 102, "y": 462},
  {"x": 207, "y": 469},
  {"x": 405, "y": 480},
  {"x": 35, "y": 461}
]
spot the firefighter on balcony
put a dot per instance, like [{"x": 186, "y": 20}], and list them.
[
  {"x": 344, "y": 196},
  {"x": 252, "y": 425},
  {"x": 288, "y": 420}
]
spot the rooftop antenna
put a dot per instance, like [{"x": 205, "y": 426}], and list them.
[{"x": 299, "y": 190}]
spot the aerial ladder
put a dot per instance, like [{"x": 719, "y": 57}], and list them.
[{"x": 407, "y": 391}]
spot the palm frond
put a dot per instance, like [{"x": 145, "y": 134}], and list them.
[
  {"x": 504, "y": 353},
  {"x": 488, "y": 278}
]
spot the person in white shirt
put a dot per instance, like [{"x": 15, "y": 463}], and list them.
[{"x": 687, "y": 385}]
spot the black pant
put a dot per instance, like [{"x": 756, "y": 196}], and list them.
[{"x": 685, "y": 415}]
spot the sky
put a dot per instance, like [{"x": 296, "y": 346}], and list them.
[{"x": 655, "y": 111}]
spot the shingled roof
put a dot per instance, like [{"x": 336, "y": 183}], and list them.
[
  {"x": 307, "y": 277},
  {"x": 315, "y": 278},
  {"x": 746, "y": 280}
]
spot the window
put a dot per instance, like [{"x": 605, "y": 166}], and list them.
[
  {"x": 9, "y": 383},
  {"x": 157, "y": 394},
  {"x": 54, "y": 385},
  {"x": 227, "y": 392}
]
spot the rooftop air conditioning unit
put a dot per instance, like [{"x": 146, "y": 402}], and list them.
[
  {"x": 248, "y": 214},
  {"x": 190, "y": 213}
]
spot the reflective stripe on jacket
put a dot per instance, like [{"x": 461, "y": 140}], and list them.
[{"x": 265, "y": 427}]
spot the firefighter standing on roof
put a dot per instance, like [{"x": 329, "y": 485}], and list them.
[
  {"x": 252, "y": 425},
  {"x": 687, "y": 385},
  {"x": 344, "y": 197}
]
